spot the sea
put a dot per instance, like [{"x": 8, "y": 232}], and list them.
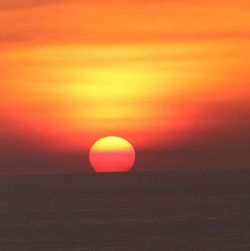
[{"x": 134, "y": 211}]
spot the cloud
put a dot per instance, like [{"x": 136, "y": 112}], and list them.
[
  {"x": 17, "y": 4},
  {"x": 99, "y": 21},
  {"x": 43, "y": 163},
  {"x": 221, "y": 141}
]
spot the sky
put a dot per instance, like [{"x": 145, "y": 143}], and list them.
[{"x": 172, "y": 77}]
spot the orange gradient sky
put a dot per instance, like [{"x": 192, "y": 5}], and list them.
[{"x": 159, "y": 73}]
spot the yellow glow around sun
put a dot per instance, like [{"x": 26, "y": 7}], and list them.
[
  {"x": 68, "y": 96},
  {"x": 112, "y": 143}
]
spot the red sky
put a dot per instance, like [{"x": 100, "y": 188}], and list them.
[{"x": 170, "y": 76}]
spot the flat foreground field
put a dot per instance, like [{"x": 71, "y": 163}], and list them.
[{"x": 168, "y": 211}]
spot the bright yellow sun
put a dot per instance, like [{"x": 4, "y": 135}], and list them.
[{"x": 112, "y": 154}]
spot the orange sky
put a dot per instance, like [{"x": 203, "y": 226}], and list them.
[{"x": 155, "y": 72}]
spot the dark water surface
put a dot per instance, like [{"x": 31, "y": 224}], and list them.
[{"x": 126, "y": 211}]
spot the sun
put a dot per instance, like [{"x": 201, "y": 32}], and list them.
[{"x": 112, "y": 154}]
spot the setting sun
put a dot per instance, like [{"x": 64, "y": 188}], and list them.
[{"x": 112, "y": 154}]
